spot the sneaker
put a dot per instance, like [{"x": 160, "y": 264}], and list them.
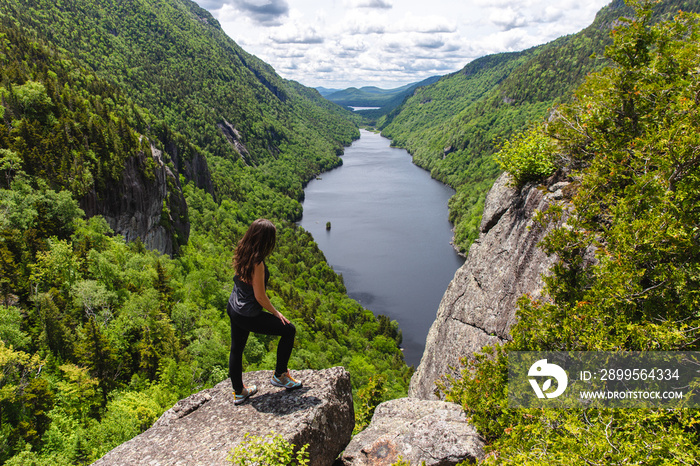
[
  {"x": 247, "y": 392},
  {"x": 286, "y": 381}
]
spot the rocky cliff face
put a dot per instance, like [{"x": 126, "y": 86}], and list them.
[
  {"x": 187, "y": 159},
  {"x": 479, "y": 305},
  {"x": 147, "y": 203}
]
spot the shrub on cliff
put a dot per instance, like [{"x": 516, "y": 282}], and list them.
[
  {"x": 527, "y": 156},
  {"x": 273, "y": 449}
]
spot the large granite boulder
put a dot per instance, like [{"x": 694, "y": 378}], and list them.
[
  {"x": 204, "y": 428},
  {"x": 478, "y": 308},
  {"x": 416, "y": 430}
]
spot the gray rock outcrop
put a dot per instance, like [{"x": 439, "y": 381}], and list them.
[
  {"x": 416, "y": 430},
  {"x": 146, "y": 203},
  {"x": 204, "y": 428},
  {"x": 188, "y": 161},
  {"x": 478, "y": 308}
]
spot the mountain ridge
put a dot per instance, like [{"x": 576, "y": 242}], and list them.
[
  {"x": 159, "y": 82},
  {"x": 372, "y": 96}
]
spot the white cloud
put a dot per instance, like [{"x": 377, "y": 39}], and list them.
[
  {"x": 297, "y": 34},
  {"x": 494, "y": 3},
  {"x": 343, "y": 43},
  {"x": 511, "y": 40},
  {"x": 363, "y": 22},
  {"x": 384, "y": 4},
  {"x": 551, "y": 14},
  {"x": 366, "y": 28},
  {"x": 350, "y": 47},
  {"x": 265, "y": 12},
  {"x": 431, "y": 24},
  {"x": 429, "y": 41},
  {"x": 507, "y": 18}
]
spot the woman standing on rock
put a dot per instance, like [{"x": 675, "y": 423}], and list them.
[{"x": 247, "y": 305}]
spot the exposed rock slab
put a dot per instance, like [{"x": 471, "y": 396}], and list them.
[
  {"x": 479, "y": 305},
  {"x": 417, "y": 430},
  {"x": 134, "y": 206},
  {"x": 203, "y": 428}
]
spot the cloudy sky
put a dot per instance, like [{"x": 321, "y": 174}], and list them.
[{"x": 389, "y": 43}]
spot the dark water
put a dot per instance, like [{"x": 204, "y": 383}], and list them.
[{"x": 390, "y": 235}]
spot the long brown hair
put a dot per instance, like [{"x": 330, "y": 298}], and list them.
[{"x": 257, "y": 243}]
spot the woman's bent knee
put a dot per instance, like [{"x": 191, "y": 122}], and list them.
[{"x": 290, "y": 329}]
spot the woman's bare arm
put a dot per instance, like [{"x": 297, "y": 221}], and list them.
[{"x": 261, "y": 294}]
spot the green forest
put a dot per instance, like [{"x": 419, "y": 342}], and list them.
[
  {"x": 99, "y": 336},
  {"x": 627, "y": 276}
]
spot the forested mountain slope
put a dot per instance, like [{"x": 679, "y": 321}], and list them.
[
  {"x": 453, "y": 127},
  {"x": 173, "y": 59},
  {"x": 98, "y": 336}
]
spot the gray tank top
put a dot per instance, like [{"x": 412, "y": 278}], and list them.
[{"x": 242, "y": 299}]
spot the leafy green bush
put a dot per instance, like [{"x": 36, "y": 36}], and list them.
[
  {"x": 527, "y": 156},
  {"x": 481, "y": 391},
  {"x": 273, "y": 449},
  {"x": 368, "y": 398}
]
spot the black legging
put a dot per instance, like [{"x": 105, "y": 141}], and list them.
[{"x": 264, "y": 323}]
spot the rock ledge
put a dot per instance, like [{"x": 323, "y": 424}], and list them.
[
  {"x": 203, "y": 428},
  {"x": 504, "y": 263}
]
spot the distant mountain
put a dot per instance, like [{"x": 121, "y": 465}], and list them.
[
  {"x": 371, "y": 96},
  {"x": 324, "y": 91}
]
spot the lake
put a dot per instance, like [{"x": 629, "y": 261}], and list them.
[{"x": 390, "y": 234}]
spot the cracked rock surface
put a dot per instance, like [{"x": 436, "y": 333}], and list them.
[
  {"x": 203, "y": 428},
  {"x": 478, "y": 308},
  {"x": 417, "y": 430}
]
